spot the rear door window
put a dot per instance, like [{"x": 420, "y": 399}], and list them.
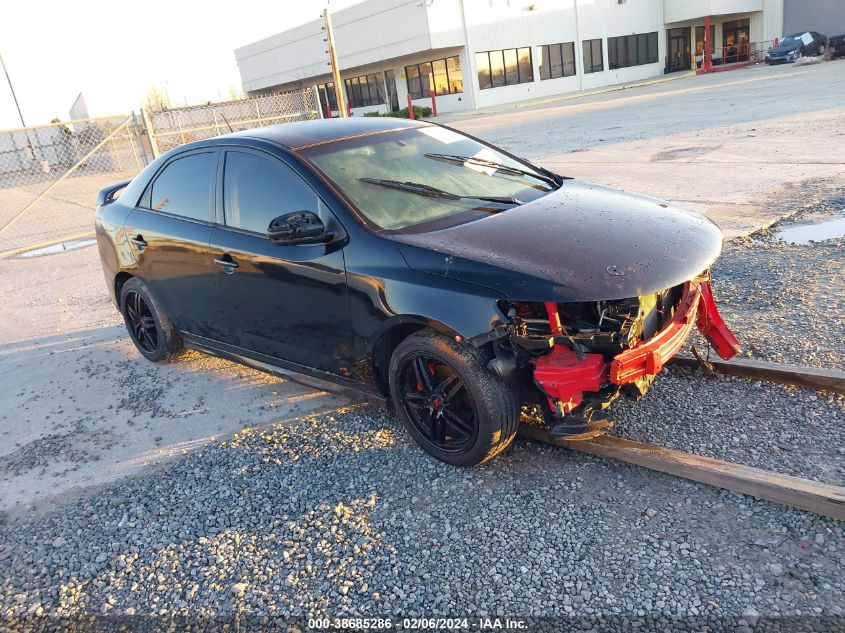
[
  {"x": 186, "y": 186},
  {"x": 258, "y": 189}
]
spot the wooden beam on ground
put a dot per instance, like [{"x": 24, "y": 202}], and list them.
[
  {"x": 795, "y": 492},
  {"x": 796, "y": 375}
]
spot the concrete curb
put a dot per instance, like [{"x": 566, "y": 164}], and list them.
[{"x": 53, "y": 242}]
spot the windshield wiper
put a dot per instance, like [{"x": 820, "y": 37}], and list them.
[
  {"x": 422, "y": 189},
  {"x": 545, "y": 175}
]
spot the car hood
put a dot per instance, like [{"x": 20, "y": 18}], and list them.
[{"x": 583, "y": 242}]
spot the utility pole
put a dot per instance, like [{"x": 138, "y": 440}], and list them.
[
  {"x": 14, "y": 96},
  {"x": 338, "y": 87},
  {"x": 17, "y": 105}
]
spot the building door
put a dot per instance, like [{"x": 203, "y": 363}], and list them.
[
  {"x": 679, "y": 49},
  {"x": 392, "y": 96},
  {"x": 736, "y": 38}
]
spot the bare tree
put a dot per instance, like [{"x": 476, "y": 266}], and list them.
[
  {"x": 157, "y": 98},
  {"x": 235, "y": 93}
]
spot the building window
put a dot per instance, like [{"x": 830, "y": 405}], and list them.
[
  {"x": 365, "y": 90},
  {"x": 557, "y": 60},
  {"x": 735, "y": 38},
  {"x": 699, "y": 39},
  {"x": 327, "y": 95},
  {"x": 632, "y": 50},
  {"x": 504, "y": 68},
  {"x": 443, "y": 74},
  {"x": 593, "y": 58}
]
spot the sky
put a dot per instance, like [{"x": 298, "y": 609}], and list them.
[{"x": 114, "y": 52}]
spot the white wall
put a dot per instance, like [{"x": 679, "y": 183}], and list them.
[
  {"x": 497, "y": 24},
  {"x": 365, "y": 33},
  {"x": 682, "y": 10},
  {"x": 380, "y": 34}
]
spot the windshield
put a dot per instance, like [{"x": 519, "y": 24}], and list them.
[
  {"x": 790, "y": 40},
  {"x": 417, "y": 161}
]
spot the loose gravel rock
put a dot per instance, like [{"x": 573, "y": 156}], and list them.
[
  {"x": 342, "y": 515},
  {"x": 783, "y": 429},
  {"x": 785, "y": 302}
]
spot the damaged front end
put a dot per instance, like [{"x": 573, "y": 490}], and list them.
[{"x": 576, "y": 358}]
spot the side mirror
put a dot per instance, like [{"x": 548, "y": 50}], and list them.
[{"x": 300, "y": 227}]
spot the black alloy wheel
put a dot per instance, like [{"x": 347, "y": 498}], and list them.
[
  {"x": 150, "y": 329},
  {"x": 141, "y": 323},
  {"x": 453, "y": 406},
  {"x": 438, "y": 404}
]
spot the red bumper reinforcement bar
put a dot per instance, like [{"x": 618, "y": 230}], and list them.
[{"x": 564, "y": 377}]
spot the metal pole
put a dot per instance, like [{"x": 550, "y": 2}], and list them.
[
  {"x": 315, "y": 99},
  {"x": 338, "y": 87},
  {"x": 707, "y": 44},
  {"x": 17, "y": 105},
  {"x": 581, "y": 44},
  {"x": 12, "y": 88},
  {"x": 151, "y": 132}
]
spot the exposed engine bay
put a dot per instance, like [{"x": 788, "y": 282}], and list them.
[{"x": 576, "y": 358}]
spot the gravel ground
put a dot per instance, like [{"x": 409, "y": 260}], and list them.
[
  {"x": 382, "y": 529},
  {"x": 785, "y": 302},
  {"x": 783, "y": 429}
]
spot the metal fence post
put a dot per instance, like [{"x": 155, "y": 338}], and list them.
[
  {"x": 151, "y": 133},
  {"x": 140, "y": 142},
  {"x": 315, "y": 101}
]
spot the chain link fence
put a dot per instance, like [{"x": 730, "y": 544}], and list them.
[
  {"x": 50, "y": 175},
  {"x": 171, "y": 127}
]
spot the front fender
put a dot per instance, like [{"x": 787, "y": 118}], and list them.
[{"x": 449, "y": 306}]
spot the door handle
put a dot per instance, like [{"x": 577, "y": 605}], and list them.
[
  {"x": 139, "y": 241},
  {"x": 227, "y": 263}
]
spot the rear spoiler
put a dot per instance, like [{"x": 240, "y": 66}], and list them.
[{"x": 107, "y": 195}]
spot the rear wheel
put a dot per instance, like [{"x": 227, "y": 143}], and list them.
[
  {"x": 450, "y": 403},
  {"x": 150, "y": 329}
]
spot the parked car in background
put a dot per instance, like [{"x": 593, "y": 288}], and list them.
[
  {"x": 836, "y": 46},
  {"x": 791, "y": 47},
  {"x": 423, "y": 267}
]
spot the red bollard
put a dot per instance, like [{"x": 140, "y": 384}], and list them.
[
  {"x": 410, "y": 108},
  {"x": 433, "y": 104},
  {"x": 328, "y": 111},
  {"x": 348, "y": 109}
]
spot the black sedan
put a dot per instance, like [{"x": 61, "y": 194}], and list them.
[
  {"x": 792, "y": 47},
  {"x": 422, "y": 267},
  {"x": 836, "y": 46}
]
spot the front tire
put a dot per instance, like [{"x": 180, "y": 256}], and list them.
[
  {"x": 450, "y": 403},
  {"x": 149, "y": 328}
]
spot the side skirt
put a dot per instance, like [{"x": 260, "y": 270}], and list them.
[{"x": 308, "y": 376}]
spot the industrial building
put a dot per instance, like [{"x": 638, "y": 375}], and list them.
[{"x": 479, "y": 53}]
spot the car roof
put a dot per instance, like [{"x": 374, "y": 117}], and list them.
[{"x": 299, "y": 134}]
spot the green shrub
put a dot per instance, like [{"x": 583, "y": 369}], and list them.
[{"x": 419, "y": 113}]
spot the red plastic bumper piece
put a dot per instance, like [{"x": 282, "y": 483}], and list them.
[
  {"x": 648, "y": 357},
  {"x": 711, "y": 325},
  {"x": 564, "y": 377}
]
